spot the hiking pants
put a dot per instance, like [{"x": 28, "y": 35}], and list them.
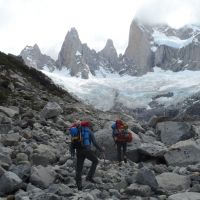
[
  {"x": 120, "y": 146},
  {"x": 82, "y": 154}
]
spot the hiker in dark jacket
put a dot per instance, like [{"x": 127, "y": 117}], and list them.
[
  {"x": 84, "y": 151},
  {"x": 119, "y": 132}
]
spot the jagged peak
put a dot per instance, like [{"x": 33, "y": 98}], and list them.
[
  {"x": 73, "y": 33},
  {"x": 109, "y": 45},
  {"x": 36, "y": 47}
]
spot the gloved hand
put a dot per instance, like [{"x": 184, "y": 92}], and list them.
[{"x": 72, "y": 151}]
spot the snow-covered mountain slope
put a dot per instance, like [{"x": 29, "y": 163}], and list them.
[{"x": 131, "y": 92}]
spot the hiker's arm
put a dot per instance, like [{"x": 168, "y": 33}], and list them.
[
  {"x": 95, "y": 143},
  {"x": 114, "y": 133}
]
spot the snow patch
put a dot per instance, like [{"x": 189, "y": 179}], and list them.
[{"x": 172, "y": 41}]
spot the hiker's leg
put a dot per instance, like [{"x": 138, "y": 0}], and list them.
[
  {"x": 92, "y": 157},
  {"x": 124, "y": 151},
  {"x": 79, "y": 165},
  {"x": 124, "y": 148},
  {"x": 119, "y": 157}
]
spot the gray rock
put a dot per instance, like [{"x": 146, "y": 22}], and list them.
[
  {"x": 156, "y": 149},
  {"x": 5, "y": 128},
  {"x": 185, "y": 196},
  {"x": 61, "y": 190},
  {"x": 21, "y": 195},
  {"x": 10, "y": 112},
  {"x": 173, "y": 132},
  {"x": 46, "y": 196},
  {"x": 22, "y": 158},
  {"x": 43, "y": 155},
  {"x": 138, "y": 190},
  {"x": 104, "y": 138},
  {"x": 183, "y": 153},
  {"x": 51, "y": 109},
  {"x": 172, "y": 182},
  {"x": 9, "y": 182},
  {"x": 146, "y": 177},
  {"x": 22, "y": 170},
  {"x": 10, "y": 139},
  {"x": 42, "y": 176}
]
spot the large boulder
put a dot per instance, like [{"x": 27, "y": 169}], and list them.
[
  {"x": 185, "y": 196},
  {"x": 155, "y": 149},
  {"x": 173, "y": 132},
  {"x": 147, "y": 177},
  {"x": 10, "y": 139},
  {"x": 10, "y": 112},
  {"x": 9, "y": 182},
  {"x": 183, "y": 153},
  {"x": 52, "y": 109},
  {"x": 42, "y": 176},
  {"x": 104, "y": 139},
  {"x": 172, "y": 182},
  {"x": 5, "y": 157},
  {"x": 43, "y": 155}
]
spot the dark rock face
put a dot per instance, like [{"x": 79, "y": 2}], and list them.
[{"x": 139, "y": 47}]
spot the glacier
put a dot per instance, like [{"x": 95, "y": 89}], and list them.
[{"x": 105, "y": 90}]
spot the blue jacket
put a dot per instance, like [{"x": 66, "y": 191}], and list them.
[{"x": 87, "y": 138}]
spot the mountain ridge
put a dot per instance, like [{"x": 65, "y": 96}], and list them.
[{"x": 148, "y": 46}]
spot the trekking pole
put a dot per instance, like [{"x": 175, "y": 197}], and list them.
[
  {"x": 104, "y": 161},
  {"x": 103, "y": 156}
]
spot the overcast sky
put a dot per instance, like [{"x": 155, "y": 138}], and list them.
[{"x": 46, "y": 22}]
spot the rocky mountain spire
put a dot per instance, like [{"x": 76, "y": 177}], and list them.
[
  {"x": 109, "y": 50},
  {"x": 71, "y": 55},
  {"x": 139, "y": 47},
  {"x": 109, "y": 55},
  {"x": 70, "y": 48}
]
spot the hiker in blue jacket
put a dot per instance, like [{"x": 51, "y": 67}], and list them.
[{"x": 84, "y": 151}]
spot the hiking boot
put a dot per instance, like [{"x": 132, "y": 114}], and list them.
[
  {"x": 90, "y": 180},
  {"x": 79, "y": 185}
]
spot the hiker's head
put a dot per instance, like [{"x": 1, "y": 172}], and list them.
[
  {"x": 77, "y": 122},
  {"x": 119, "y": 122}
]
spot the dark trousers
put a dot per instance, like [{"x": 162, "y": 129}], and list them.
[
  {"x": 82, "y": 154},
  {"x": 120, "y": 146}
]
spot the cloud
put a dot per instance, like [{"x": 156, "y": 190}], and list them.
[
  {"x": 176, "y": 13},
  {"x": 46, "y": 22}
]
